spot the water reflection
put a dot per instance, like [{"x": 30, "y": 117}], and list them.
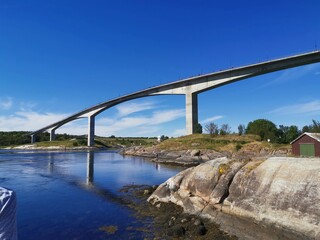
[
  {"x": 69, "y": 195},
  {"x": 50, "y": 162},
  {"x": 90, "y": 167}
]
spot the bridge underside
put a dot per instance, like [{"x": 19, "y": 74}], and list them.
[{"x": 190, "y": 87}]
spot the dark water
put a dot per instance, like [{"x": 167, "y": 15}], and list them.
[{"x": 70, "y": 195}]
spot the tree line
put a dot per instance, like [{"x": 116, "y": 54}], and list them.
[
  {"x": 264, "y": 128},
  {"x": 23, "y": 137}
]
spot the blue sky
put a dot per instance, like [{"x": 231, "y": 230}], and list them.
[{"x": 59, "y": 57}]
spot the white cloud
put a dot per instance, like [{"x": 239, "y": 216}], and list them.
[
  {"x": 211, "y": 119},
  {"x": 6, "y": 103},
  {"x": 129, "y": 108},
  {"x": 166, "y": 116},
  {"x": 179, "y": 132},
  {"x": 139, "y": 125},
  {"x": 28, "y": 120},
  {"x": 303, "y": 108},
  {"x": 121, "y": 124}
]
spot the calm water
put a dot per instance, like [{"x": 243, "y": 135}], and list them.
[{"x": 70, "y": 195}]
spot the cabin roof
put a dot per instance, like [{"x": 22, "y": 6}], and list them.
[{"x": 315, "y": 136}]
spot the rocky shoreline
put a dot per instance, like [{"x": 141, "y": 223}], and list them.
[
  {"x": 279, "y": 195},
  {"x": 194, "y": 157},
  {"x": 168, "y": 220},
  {"x": 255, "y": 193}
]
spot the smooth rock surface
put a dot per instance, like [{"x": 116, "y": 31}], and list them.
[
  {"x": 278, "y": 192},
  {"x": 281, "y": 191}
]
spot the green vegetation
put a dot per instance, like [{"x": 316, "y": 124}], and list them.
[
  {"x": 266, "y": 129},
  {"x": 205, "y": 141},
  {"x": 11, "y": 139},
  {"x": 16, "y": 138},
  {"x": 220, "y": 138},
  {"x": 198, "y": 128},
  {"x": 113, "y": 141}
]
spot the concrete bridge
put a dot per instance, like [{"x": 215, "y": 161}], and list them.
[{"x": 189, "y": 87}]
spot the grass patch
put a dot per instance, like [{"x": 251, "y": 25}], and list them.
[{"x": 227, "y": 143}]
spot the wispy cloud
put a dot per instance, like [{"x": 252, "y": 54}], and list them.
[
  {"x": 6, "y": 103},
  {"x": 146, "y": 124},
  {"x": 211, "y": 119},
  {"x": 140, "y": 124},
  {"x": 302, "y": 108},
  {"x": 28, "y": 120},
  {"x": 129, "y": 108},
  {"x": 293, "y": 74}
]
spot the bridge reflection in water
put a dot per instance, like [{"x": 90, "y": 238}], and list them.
[{"x": 90, "y": 167}]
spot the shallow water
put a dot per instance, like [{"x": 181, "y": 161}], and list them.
[{"x": 71, "y": 195}]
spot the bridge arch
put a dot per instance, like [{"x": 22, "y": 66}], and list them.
[{"x": 190, "y": 87}]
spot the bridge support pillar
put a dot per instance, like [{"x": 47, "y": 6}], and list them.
[
  {"x": 33, "y": 138},
  {"x": 91, "y": 130},
  {"x": 191, "y": 112},
  {"x": 52, "y": 135}
]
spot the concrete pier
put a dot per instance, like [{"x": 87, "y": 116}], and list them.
[
  {"x": 191, "y": 112},
  {"x": 33, "y": 138},
  {"x": 52, "y": 134},
  {"x": 91, "y": 126}
]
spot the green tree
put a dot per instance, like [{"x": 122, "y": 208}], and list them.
[
  {"x": 287, "y": 134},
  {"x": 198, "y": 128},
  {"x": 241, "y": 129},
  {"x": 225, "y": 129},
  {"x": 163, "y": 137},
  {"x": 264, "y": 128},
  {"x": 314, "y": 127},
  {"x": 306, "y": 128}
]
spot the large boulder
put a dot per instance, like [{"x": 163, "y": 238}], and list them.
[
  {"x": 281, "y": 191},
  {"x": 193, "y": 188}
]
